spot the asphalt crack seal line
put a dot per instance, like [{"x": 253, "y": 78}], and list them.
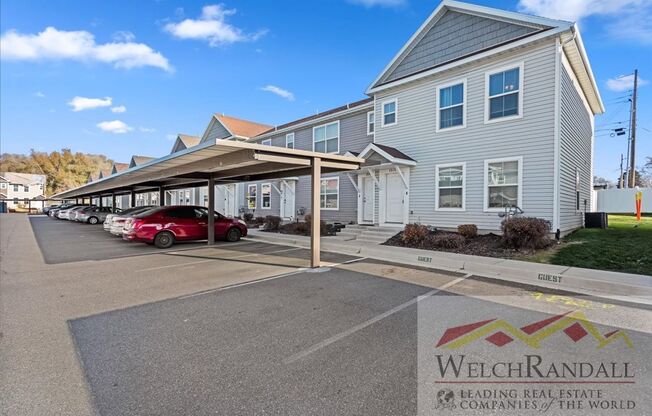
[{"x": 298, "y": 356}]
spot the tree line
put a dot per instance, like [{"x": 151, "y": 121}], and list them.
[{"x": 64, "y": 169}]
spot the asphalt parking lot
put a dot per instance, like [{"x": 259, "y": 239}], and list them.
[{"x": 246, "y": 328}]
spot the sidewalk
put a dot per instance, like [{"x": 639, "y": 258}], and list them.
[{"x": 613, "y": 285}]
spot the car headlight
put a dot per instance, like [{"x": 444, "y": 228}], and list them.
[{"x": 242, "y": 222}]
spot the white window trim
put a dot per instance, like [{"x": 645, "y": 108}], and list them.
[
  {"x": 519, "y": 200},
  {"x": 338, "y": 192},
  {"x": 371, "y": 113},
  {"x": 325, "y": 140},
  {"x": 448, "y": 165},
  {"x": 255, "y": 186},
  {"x": 521, "y": 92},
  {"x": 437, "y": 116},
  {"x": 287, "y": 136},
  {"x": 266, "y": 142},
  {"x": 262, "y": 196},
  {"x": 382, "y": 107}
]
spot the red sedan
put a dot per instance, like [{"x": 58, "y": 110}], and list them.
[{"x": 164, "y": 225}]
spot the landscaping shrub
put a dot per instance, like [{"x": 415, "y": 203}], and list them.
[
  {"x": 447, "y": 240},
  {"x": 248, "y": 216},
  {"x": 323, "y": 228},
  {"x": 272, "y": 222},
  {"x": 302, "y": 228},
  {"x": 468, "y": 230},
  {"x": 259, "y": 220},
  {"x": 414, "y": 235},
  {"x": 525, "y": 233}
]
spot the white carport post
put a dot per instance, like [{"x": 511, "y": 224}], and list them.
[
  {"x": 211, "y": 210},
  {"x": 315, "y": 228}
]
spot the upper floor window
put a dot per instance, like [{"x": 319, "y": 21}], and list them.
[
  {"x": 25, "y": 188},
  {"x": 251, "y": 196},
  {"x": 371, "y": 122},
  {"x": 289, "y": 140},
  {"x": 504, "y": 93},
  {"x": 330, "y": 193},
  {"x": 267, "y": 142},
  {"x": 3, "y": 185},
  {"x": 266, "y": 194},
  {"x": 502, "y": 183},
  {"x": 390, "y": 109},
  {"x": 16, "y": 188},
  {"x": 326, "y": 138},
  {"x": 451, "y": 105}
]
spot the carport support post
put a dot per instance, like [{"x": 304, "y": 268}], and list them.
[
  {"x": 161, "y": 196},
  {"x": 112, "y": 201},
  {"x": 315, "y": 227},
  {"x": 100, "y": 201},
  {"x": 211, "y": 211},
  {"x": 132, "y": 199}
]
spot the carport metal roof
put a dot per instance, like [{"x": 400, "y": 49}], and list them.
[{"x": 220, "y": 161}]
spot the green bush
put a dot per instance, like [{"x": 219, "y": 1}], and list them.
[
  {"x": 468, "y": 230},
  {"x": 414, "y": 235},
  {"x": 525, "y": 233}
]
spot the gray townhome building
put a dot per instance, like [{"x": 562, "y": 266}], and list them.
[{"x": 480, "y": 112}]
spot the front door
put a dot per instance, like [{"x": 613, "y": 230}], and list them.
[
  {"x": 367, "y": 199},
  {"x": 287, "y": 200},
  {"x": 229, "y": 200},
  {"x": 394, "y": 198}
]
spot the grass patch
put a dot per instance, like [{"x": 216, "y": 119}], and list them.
[{"x": 621, "y": 247}]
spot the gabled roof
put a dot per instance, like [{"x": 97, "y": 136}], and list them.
[
  {"x": 542, "y": 28},
  {"x": 184, "y": 141},
  {"x": 390, "y": 154},
  {"x": 22, "y": 178},
  {"x": 93, "y": 177},
  {"x": 119, "y": 167},
  {"x": 242, "y": 128},
  {"x": 139, "y": 160},
  {"x": 104, "y": 173}
]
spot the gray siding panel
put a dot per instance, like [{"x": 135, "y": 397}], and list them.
[
  {"x": 530, "y": 137},
  {"x": 453, "y": 36},
  {"x": 576, "y": 134},
  {"x": 217, "y": 131}
]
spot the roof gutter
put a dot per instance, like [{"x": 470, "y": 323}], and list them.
[{"x": 585, "y": 59}]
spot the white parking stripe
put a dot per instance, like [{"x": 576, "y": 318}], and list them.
[{"x": 369, "y": 322}]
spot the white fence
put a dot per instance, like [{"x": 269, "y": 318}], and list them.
[{"x": 616, "y": 200}]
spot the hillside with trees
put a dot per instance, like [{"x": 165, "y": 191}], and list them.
[{"x": 64, "y": 169}]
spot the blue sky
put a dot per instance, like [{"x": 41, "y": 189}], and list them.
[{"x": 144, "y": 71}]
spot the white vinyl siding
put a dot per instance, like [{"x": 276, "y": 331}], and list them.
[
  {"x": 326, "y": 138},
  {"x": 504, "y": 93},
  {"x": 266, "y": 196},
  {"x": 371, "y": 123},
  {"x": 251, "y": 196},
  {"x": 451, "y": 105},
  {"x": 503, "y": 183},
  {"x": 289, "y": 140},
  {"x": 329, "y": 193},
  {"x": 450, "y": 186},
  {"x": 390, "y": 112}
]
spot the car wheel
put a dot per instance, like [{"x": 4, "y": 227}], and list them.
[
  {"x": 164, "y": 240},
  {"x": 93, "y": 220},
  {"x": 233, "y": 235}
]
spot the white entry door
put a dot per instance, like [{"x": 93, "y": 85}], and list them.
[
  {"x": 287, "y": 200},
  {"x": 394, "y": 198},
  {"x": 367, "y": 199},
  {"x": 229, "y": 200}
]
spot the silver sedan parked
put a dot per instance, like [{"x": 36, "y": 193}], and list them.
[{"x": 94, "y": 215}]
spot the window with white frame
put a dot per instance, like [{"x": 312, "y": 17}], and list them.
[
  {"x": 15, "y": 188},
  {"x": 25, "y": 188},
  {"x": 330, "y": 193},
  {"x": 266, "y": 196},
  {"x": 326, "y": 138},
  {"x": 390, "y": 109},
  {"x": 371, "y": 123},
  {"x": 450, "y": 186},
  {"x": 450, "y": 105},
  {"x": 251, "y": 196},
  {"x": 3, "y": 185},
  {"x": 503, "y": 182},
  {"x": 289, "y": 140},
  {"x": 504, "y": 93},
  {"x": 267, "y": 142}
]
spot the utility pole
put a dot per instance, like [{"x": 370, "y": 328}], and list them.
[
  {"x": 632, "y": 159},
  {"x": 621, "y": 177}
]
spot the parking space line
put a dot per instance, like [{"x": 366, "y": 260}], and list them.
[{"x": 363, "y": 325}]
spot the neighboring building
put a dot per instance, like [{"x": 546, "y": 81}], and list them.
[
  {"x": 17, "y": 188},
  {"x": 119, "y": 167}
]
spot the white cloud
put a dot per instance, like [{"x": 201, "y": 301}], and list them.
[
  {"x": 118, "y": 109},
  {"x": 115, "y": 126},
  {"x": 170, "y": 136},
  {"x": 53, "y": 44},
  {"x": 382, "y": 3},
  {"x": 123, "y": 36},
  {"x": 146, "y": 130},
  {"x": 624, "y": 83},
  {"x": 39, "y": 94},
  {"x": 212, "y": 27},
  {"x": 83, "y": 103},
  {"x": 279, "y": 91}
]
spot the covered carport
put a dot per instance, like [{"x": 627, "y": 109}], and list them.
[{"x": 222, "y": 162}]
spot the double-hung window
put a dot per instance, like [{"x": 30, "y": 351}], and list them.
[
  {"x": 503, "y": 183},
  {"x": 251, "y": 196},
  {"x": 15, "y": 188},
  {"x": 267, "y": 142},
  {"x": 504, "y": 93},
  {"x": 330, "y": 193},
  {"x": 371, "y": 123},
  {"x": 289, "y": 140},
  {"x": 451, "y": 110},
  {"x": 390, "y": 111},
  {"x": 450, "y": 185},
  {"x": 266, "y": 196},
  {"x": 25, "y": 188},
  {"x": 326, "y": 138},
  {"x": 3, "y": 185}
]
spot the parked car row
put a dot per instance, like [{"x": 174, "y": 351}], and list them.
[{"x": 160, "y": 226}]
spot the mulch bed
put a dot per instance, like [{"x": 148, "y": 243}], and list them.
[{"x": 488, "y": 245}]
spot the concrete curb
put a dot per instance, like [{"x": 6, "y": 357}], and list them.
[{"x": 613, "y": 285}]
